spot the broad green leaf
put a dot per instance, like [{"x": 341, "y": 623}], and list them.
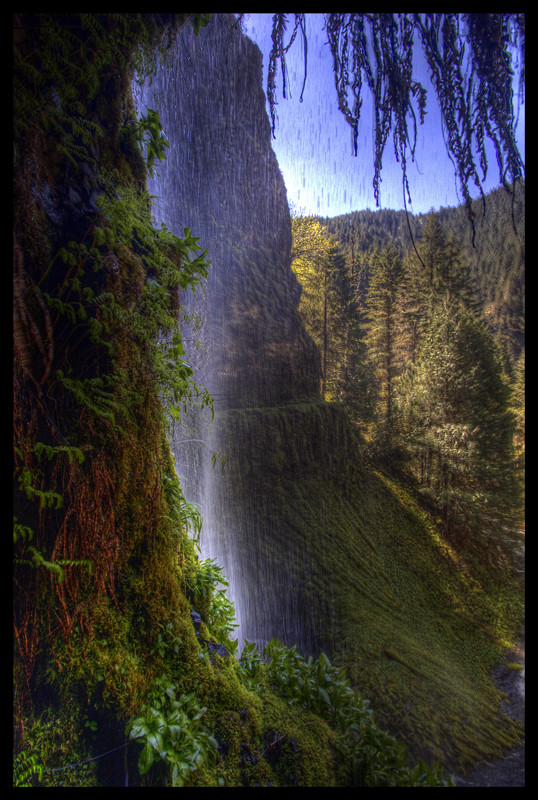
[{"x": 146, "y": 758}]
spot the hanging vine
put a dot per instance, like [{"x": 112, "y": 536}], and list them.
[{"x": 470, "y": 60}]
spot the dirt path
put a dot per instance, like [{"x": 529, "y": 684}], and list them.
[{"x": 508, "y": 771}]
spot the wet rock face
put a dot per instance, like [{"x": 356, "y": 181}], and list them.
[{"x": 221, "y": 179}]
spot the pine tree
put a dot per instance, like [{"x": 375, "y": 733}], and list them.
[
  {"x": 436, "y": 272},
  {"x": 381, "y": 303},
  {"x": 458, "y": 429},
  {"x": 311, "y": 255},
  {"x": 330, "y": 313},
  {"x": 413, "y": 308},
  {"x": 448, "y": 274},
  {"x": 350, "y": 382}
]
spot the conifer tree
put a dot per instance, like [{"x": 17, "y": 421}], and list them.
[
  {"x": 454, "y": 414},
  {"x": 350, "y": 381},
  {"x": 330, "y": 313},
  {"x": 381, "y": 303},
  {"x": 447, "y": 272},
  {"x": 311, "y": 254},
  {"x": 413, "y": 308},
  {"x": 436, "y": 272}
]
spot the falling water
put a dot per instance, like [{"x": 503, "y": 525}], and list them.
[{"x": 221, "y": 179}]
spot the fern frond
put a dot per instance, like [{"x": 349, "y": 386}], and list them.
[
  {"x": 24, "y": 767},
  {"x": 73, "y": 453},
  {"x": 21, "y": 533},
  {"x": 36, "y": 560},
  {"x": 47, "y": 499}
]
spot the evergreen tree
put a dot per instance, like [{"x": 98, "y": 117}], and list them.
[
  {"x": 381, "y": 303},
  {"x": 447, "y": 272},
  {"x": 436, "y": 272},
  {"x": 350, "y": 379},
  {"x": 458, "y": 428},
  {"x": 330, "y": 313},
  {"x": 311, "y": 256},
  {"x": 413, "y": 308}
]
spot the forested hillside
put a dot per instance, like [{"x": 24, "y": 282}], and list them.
[
  {"x": 422, "y": 343},
  {"x": 494, "y": 259}
]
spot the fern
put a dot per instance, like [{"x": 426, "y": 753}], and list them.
[
  {"x": 47, "y": 499},
  {"x": 90, "y": 392},
  {"x": 73, "y": 453},
  {"x": 206, "y": 577},
  {"x": 21, "y": 533},
  {"x": 32, "y": 557},
  {"x": 55, "y": 303},
  {"x": 24, "y": 768},
  {"x": 36, "y": 560}
]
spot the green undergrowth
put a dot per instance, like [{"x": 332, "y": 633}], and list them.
[
  {"x": 153, "y": 695},
  {"x": 417, "y": 625}
]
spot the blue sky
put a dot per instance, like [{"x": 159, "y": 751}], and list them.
[{"x": 313, "y": 141}]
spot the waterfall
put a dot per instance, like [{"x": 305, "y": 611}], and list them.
[
  {"x": 181, "y": 201},
  {"x": 221, "y": 179}
]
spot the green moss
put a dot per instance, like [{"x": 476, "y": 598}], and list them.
[
  {"x": 56, "y": 738},
  {"x": 417, "y": 625}
]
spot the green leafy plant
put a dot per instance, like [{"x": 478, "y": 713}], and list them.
[
  {"x": 375, "y": 758},
  {"x": 208, "y": 574},
  {"x": 24, "y": 768},
  {"x": 183, "y": 515},
  {"x": 47, "y": 498},
  {"x": 28, "y": 555},
  {"x": 222, "y": 621},
  {"x": 249, "y": 665},
  {"x": 166, "y": 639},
  {"x": 212, "y": 602},
  {"x": 153, "y": 320},
  {"x": 171, "y": 730},
  {"x": 152, "y": 138}
]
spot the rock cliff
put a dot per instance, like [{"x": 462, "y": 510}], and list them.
[{"x": 221, "y": 179}]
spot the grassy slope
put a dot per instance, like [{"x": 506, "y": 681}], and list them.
[{"x": 416, "y": 626}]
